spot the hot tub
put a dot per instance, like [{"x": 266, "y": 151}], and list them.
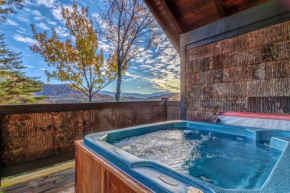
[{"x": 178, "y": 155}]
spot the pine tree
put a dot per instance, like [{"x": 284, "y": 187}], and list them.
[
  {"x": 8, "y": 7},
  {"x": 15, "y": 86}
]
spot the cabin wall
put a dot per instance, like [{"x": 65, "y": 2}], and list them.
[{"x": 245, "y": 73}]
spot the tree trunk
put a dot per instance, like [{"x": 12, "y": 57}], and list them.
[
  {"x": 90, "y": 97},
  {"x": 119, "y": 80},
  {"x": 2, "y": 99}
]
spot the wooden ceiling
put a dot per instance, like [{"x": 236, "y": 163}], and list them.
[
  {"x": 192, "y": 14},
  {"x": 180, "y": 16}
]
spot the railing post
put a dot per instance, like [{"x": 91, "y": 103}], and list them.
[
  {"x": 1, "y": 120},
  {"x": 165, "y": 99}
]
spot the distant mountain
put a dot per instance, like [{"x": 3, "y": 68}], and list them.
[
  {"x": 170, "y": 96},
  {"x": 63, "y": 93},
  {"x": 137, "y": 95}
]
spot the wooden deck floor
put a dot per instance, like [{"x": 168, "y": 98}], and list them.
[{"x": 56, "y": 179}]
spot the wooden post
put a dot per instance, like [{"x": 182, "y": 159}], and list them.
[
  {"x": 183, "y": 78},
  {"x": 165, "y": 99}
]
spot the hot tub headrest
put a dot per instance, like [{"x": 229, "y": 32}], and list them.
[{"x": 265, "y": 121}]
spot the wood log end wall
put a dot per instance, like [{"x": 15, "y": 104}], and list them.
[
  {"x": 245, "y": 73},
  {"x": 31, "y": 136}
]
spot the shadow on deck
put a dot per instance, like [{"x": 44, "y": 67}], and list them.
[{"x": 56, "y": 179}]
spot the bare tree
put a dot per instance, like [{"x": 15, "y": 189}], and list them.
[{"x": 130, "y": 29}]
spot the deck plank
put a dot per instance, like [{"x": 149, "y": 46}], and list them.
[{"x": 59, "y": 181}]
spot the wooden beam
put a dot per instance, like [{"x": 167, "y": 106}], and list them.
[
  {"x": 160, "y": 14},
  {"x": 36, "y": 164},
  {"x": 183, "y": 78},
  {"x": 173, "y": 103},
  {"x": 220, "y": 8},
  {"x": 42, "y": 108},
  {"x": 260, "y": 16},
  {"x": 173, "y": 17}
]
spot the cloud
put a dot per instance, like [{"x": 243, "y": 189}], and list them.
[
  {"x": 28, "y": 2},
  {"x": 42, "y": 26},
  {"x": 10, "y": 22},
  {"x": 37, "y": 15},
  {"x": 133, "y": 67},
  {"x": 129, "y": 77},
  {"x": 56, "y": 11},
  {"x": 143, "y": 56},
  {"x": 24, "y": 19},
  {"x": 165, "y": 80},
  {"x": 46, "y": 3},
  {"x": 26, "y": 9},
  {"x": 160, "y": 66},
  {"x": 28, "y": 66},
  {"x": 21, "y": 30},
  {"x": 51, "y": 22},
  {"x": 28, "y": 40},
  {"x": 42, "y": 69},
  {"x": 61, "y": 31},
  {"x": 100, "y": 21},
  {"x": 106, "y": 47},
  {"x": 145, "y": 66}
]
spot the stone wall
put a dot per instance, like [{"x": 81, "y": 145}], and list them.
[{"x": 246, "y": 73}]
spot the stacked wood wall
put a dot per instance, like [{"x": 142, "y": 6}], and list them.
[
  {"x": 30, "y": 136},
  {"x": 246, "y": 73}
]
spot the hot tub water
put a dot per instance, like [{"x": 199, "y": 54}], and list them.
[{"x": 225, "y": 160}]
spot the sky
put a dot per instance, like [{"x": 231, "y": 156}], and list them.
[{"x": 155, "y": 70}]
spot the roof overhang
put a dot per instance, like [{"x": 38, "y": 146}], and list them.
[{"x": 177, "y": 17}]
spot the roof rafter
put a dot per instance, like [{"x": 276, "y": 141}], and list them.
[
  {"x": 166, "y": 20},
  {"x": 220, "y": 8}
]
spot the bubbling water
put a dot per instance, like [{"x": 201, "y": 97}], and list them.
[
  {"x": 170, "y": 147},
  {"x": 225, "y": 160}
]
